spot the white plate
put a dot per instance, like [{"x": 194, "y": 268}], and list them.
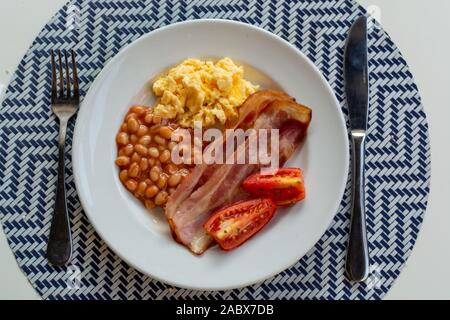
[{"x": 142, "y": 238}]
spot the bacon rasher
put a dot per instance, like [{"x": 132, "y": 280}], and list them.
[{"x": 209, "y": 187}]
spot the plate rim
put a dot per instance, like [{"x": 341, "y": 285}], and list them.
[{"x": 98, "y": 79}]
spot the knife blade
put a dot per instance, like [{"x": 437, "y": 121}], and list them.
[{"x": 356, "y": 76}]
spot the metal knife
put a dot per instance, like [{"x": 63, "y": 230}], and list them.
[{"x": 357, "y": 91}]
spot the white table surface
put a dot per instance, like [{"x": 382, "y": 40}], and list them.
[{"x": 421, "y": 29}]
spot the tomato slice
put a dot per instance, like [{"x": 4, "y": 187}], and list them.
[
  {"x": 231, "y": 226},
  {"x": 285, "y": 187}
]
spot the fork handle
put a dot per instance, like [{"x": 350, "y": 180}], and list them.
[
  {"x": 357, "y": 262},
  {"x": 59, "y": 247}
]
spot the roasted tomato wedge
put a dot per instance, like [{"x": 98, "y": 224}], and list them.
[
  {"x": 231, "y": 226},
  {"x": 285, "y": 187}
]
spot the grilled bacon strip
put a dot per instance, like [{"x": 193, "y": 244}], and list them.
[{"x": 210, "y": 187}]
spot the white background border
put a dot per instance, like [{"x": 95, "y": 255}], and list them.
[{"x": 419, "y": 28}]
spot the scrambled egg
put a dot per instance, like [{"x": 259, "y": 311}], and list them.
[{"x": 202, "y": 91}]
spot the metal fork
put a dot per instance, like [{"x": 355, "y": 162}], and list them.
[{"x": 65, "y": 102}]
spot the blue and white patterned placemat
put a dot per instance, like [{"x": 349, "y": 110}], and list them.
[{"x": 398, "y": 162}]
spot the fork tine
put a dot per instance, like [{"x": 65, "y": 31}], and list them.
[
  {"x": 52, "y": 54},
  {"x": 76, "y": 92},
  {"x": 61, "y": 78},
  {"x": 67, "y": 74}
]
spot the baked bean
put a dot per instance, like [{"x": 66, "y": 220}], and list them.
[
  {"x": 153, "y": 152},
  {"x": 145, "y": 140},
  {"x": 143, "y": 164},
  {"x": 159, "y": 140},
  {"x": 165, "y": 132},
  {"x": 133, "y": 125},
  {"x": 128, "y": 150},
  {"x": 162, "y": 181},
  {"x": 171, "y": 168},
  {"x": 136, "y": 157},
  {"x": 149, "y": 204},
  {"x": 122, "y": 138},
  {"x": 171, "y": 145},
  {"x": 130, "y": 115},
  {"x": 138, "y": 110},
  {"x": 155, "y": 128},
  {"x": 148, "y": 118},
  {"x": 123, "y": 175},
  {"x": 154, "y": 173},
  {"x": 133, "y": 171},
  {"x": 123, "y": 161},
  {"x": 161, "y": 198},
  {"x": 142, "y": 186},
  {"x": 157, "y": 119},
  {"x": 133, "y": 139},
  {"x": 165, "y": 156},
  {"x": 131, "y": 185},
  {"x": 141, "y": 150},
  {"x": 144, "y": 156},
  {"x": 151, "y": 191},
  {"x": 174, "y": 179},
  {"x": 142, "y": 130}
]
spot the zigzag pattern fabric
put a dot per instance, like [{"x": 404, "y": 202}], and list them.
[{"x": 398, "y": 152}]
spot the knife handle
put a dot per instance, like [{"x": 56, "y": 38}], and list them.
[{"x": 357, "y": 262}]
